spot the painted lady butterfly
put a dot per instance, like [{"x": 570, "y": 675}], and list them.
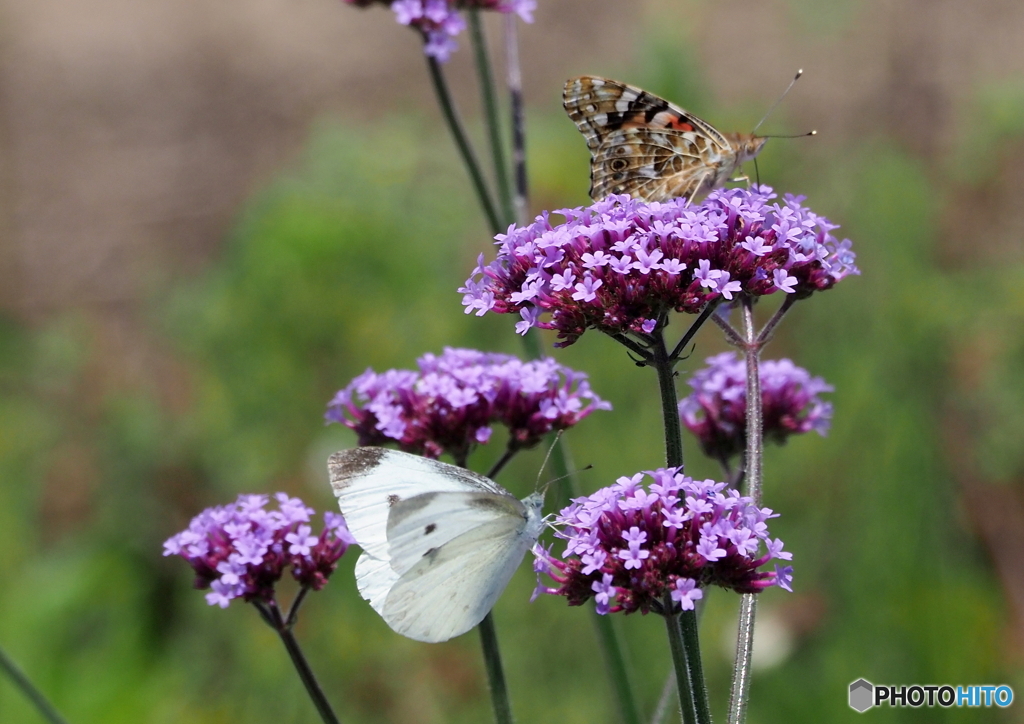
[{"x": 644, "y": 146}]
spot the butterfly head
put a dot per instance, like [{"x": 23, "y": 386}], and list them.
[{"x": 747, "y": 145}]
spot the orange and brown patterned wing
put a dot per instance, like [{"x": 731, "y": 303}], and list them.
[
  {"x": 599, "y": 107},
  {"x": 649, "y": 164}
]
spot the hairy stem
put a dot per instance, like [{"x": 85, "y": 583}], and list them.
[
  {"x": 515, "y": 91},
  {"x": 739, "y": 694}
]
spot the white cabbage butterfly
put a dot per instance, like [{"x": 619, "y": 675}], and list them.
[{"x": 440, "y": 543}]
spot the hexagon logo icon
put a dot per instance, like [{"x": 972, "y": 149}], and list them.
[{"x": 861, "y": 695}]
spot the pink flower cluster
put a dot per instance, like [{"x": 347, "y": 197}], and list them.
[
  {"x": 241, "y": 550},
  {"x": 716, "y": 410},
  {"x": 631, "y": 547},
  {"x": 620, "y": 265},
  {"x": 440, "y": 20},
  {"x": 451, "y": 403}
]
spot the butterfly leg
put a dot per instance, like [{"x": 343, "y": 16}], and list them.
[{"x": 696, "y": 188}]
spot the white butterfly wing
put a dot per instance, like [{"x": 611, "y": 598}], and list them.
[
  {"x": 368, "y": 481},
  {"x": 417, "y": 526},
  {"x": 450, "y": 589},
  {"x": 374, "y": 579}
]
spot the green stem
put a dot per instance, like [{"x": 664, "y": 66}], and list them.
[
  {"x": 683, "y": 639},
  {"x": 687, "y": 709},
  {"x": 272, "y": 615},
  {"x": 451, "y": 117},
  {"x": 739, "y": 694},
  {"x": 708, "y": 310},
  {"x": 664, "y": 366},
  {"x": 691, "y": 647},
  {"x": 490, "y": 99},
  {"x": 618, "y": 670},
  {"x": 495, "y": 672},
  {"x": 608, "y": 637},
  {"x": 18, "y": 678}
]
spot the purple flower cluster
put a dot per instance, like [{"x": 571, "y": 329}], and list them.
[
  {"x": 241, "y": 550},
  {"x": 716, "y": 410},
  {"x": 439, "y": 20},
  {"x": 629, "y": 546},
  {"x": 621, "y": 264},
  {"x": 452, "y": 401}
]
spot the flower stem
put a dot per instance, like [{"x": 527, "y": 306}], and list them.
[
  {"x": 765, "y": 335},
  {"x": 495, "y": 672},
  {"x": 755, "y": 419},
  {"x": 682, "y": 629},
  {"x": 608, "y": 638},
  {"x": 18, "y": 678},
  {"x": 451, "y": 117},
  {"x": 501, "y": 462},
  {"x": 687, "y": 709},
  {"x": 515, "y": 91},
  {"x": 664, "y": 366},
  {"x": 618, "y": 670},
  {"x": 272, "y": 615},
  {"x": 739, "y": 694},
  {"x": 708, "y": 310},
  {"x": 490, "y": 101}
]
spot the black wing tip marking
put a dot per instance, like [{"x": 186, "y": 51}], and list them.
[{"x": 346, "y": 464}]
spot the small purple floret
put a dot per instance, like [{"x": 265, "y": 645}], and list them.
[
  {"x": 242, "y": 550},
  {"x": 440, "y": 20},
  {"x": 716, "y": 410},
  {"x": 628, "y": 546},
  {"x": 451, "y": 403},
  {"x": 634, "y": 261}
]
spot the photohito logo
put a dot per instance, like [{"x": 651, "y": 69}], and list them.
[{"x": 864, "y": 695}]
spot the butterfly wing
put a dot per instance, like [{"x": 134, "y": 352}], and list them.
[
  {"x": 642, "y": 145},
  {"x": 440, "y": 543},
  {"x": 600, "y": 106},
  {"x": 420, "y": 525},
  {"x": 374, "y": 579},
  {"x": 651, "y": 165},
  {"x": 451, "y": 588},
  {"x": 368, "y": 481}
]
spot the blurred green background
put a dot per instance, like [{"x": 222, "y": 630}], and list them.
[{"x": 123, "y": 416}]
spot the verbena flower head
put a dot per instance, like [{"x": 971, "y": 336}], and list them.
[
  {"x": 241, "y": 550},
  {"x": 440, "y": 21},
  {"x": 716, "y": 410},
  {"x": 628, "y": 546},
  {"x": 621, "y": 264},
  {"x": 451, "y": 403}
]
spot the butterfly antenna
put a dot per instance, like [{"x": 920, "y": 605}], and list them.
[
  {"x": 776, "y": 103},
  {"x": 563, "y": 477},
  {"x": 551, "y": 448},
  {"x": 795, "y": 135}
]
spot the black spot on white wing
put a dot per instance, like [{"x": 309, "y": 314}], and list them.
[
  {"x": 430, "y": 529},
  {"x": 392, "y": 499}
]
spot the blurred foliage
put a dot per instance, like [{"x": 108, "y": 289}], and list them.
[{"x": 352, "y": 260}]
